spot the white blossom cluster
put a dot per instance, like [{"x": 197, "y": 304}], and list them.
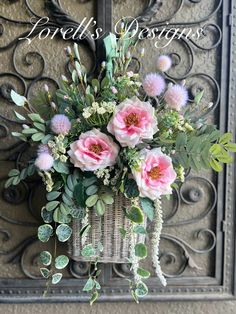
[
  {"x": 104, "y": 174},
  {"x": 47, "y": 180},
  {"x": 99, "y": 108},
  {"x": 58, "y": 148},
  {"x": 156, "y": 241}
]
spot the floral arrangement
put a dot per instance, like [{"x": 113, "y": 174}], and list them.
[{"x": 112, "y": 135}]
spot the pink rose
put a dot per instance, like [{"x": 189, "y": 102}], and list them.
[
  {"x": 156, "y": 174},
  {"x": 132, "y": 122},
  {"x": 93, "y": 150}
]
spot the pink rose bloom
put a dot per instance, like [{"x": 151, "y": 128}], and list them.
[
  {"x": 93, "y": 150},
  {"x": 132, "y": 122},
  {"x": 156, "y": 174}
]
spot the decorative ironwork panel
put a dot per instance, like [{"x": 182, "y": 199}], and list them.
[{"x": 198, "y": 240}]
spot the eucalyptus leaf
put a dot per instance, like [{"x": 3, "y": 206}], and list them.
[
  {"x": 61, "y": 262},
  {"x": 45, "y": 232},
  {"x": 45, "y": 272},
  {"x": 89, "y": 285},
  {"x": 141, "y": 250},
  {"x": 45, "y": 258},
  {"x": 88, "y": 251},
  {"x": 141, "y": 290},
  {"x": 63, "y": 232},
  {"x": 56, "y": 278}
]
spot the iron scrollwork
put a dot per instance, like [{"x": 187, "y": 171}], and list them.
[{"x": 178, "y": 254}]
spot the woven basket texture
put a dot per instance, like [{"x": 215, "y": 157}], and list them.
[{"x": 105, "y": 230}]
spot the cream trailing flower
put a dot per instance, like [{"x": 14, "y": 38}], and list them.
[{"x": 158, "y": 221}]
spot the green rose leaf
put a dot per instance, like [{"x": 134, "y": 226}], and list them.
[
  {"x": 107, "y": 198},
  {"x": 88, "y": 251},
  {"x": 92, "y": 200},
  {"x": 135, "y": 214},
  {"x": 56, "y": 278},
  {"x": 91, "y": 190},
  {"x": 100, "y": 207},
  {"x": 61, "y": 261},
  {"x": 141, "y": 250},
  {"x": 45, "y": 258},
  {"x": 63, "y": 232},
  {"x": 89, "y": 181},
  {"x": 141, "y": 290},
  {"x": 45, "y": 232},
  {"x": 45, "y": 272},
  {"x": 148, "y": 207},
  {"x": 89, "y": 285}
]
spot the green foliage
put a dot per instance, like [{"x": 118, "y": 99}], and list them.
[
  {"x": 131, "y": 188},
  {"x": 61, "y": 261},
  {"x": 148, "y": 207},
  {"x": 45, "y": 232},
  {"x": 16, "y": 176},
  {"x": 141, "y": 250},
  {"x": 19, "y": 100},
  {"x": 45, "y": 272},
  {"x": 135, "y": 214},
  {"x": 56, "y": 278},
  {"x": 63, "y": 232},
  {"x": 143, "y": 273},
  {"x": 88, "y": 251},
  {"x": 45, "y": 258},
  {"x": 141, "y": 290}
]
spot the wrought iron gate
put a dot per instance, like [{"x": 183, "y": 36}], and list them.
[{"x": 198, "y": 241}]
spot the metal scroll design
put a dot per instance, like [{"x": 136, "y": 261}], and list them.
[{"x": 190, "y": 194}]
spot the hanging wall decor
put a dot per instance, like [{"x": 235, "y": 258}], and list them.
[{"x": 117, "y": 151}]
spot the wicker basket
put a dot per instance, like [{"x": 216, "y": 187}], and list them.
[{"x": 115, "y": 248}]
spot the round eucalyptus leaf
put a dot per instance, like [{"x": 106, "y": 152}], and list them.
[
  {"x": 63, "y": 232},
  {"x": 45, "y": 272},
  {"x": 61, "y": 261},
  {"x": 56, "y": 278},
  {"x": 45, "y": 258},
  {"x": 45, "y": 232},
  {"x": 141, "y": 250}
]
